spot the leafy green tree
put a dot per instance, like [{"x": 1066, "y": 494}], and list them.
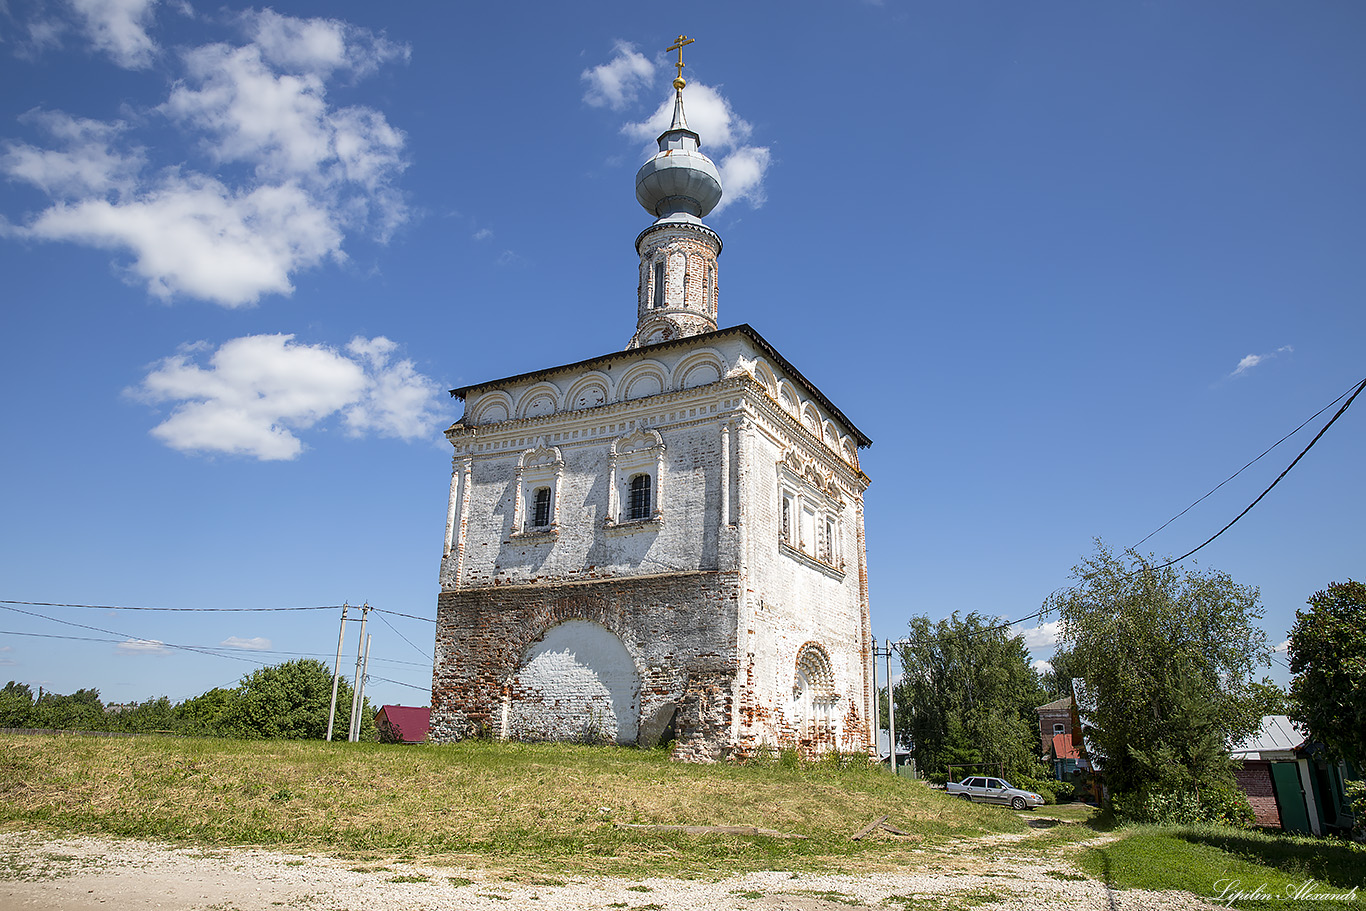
[
  {"x": 78, "y": 711},
  {"x": 1328, "y": 659},
  {"x": 16, "y": 705},
  {"x": 967, "y": 696},
  {"x": 206, "y": 715},
  {"x": 1167, "y": 657},
  {"x": 289, "y": 701}
]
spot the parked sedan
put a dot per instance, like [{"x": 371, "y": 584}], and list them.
[{"x": 994, "y": 790}]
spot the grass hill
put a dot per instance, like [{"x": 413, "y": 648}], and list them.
[{"x": 525, "y": 806}]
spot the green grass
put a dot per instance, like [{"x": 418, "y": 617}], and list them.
[
  {"x": 1208, "y": 861},
  {"x": 547, "y": 808}
]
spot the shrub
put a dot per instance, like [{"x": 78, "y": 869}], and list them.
[{"x": 1221, "y": 805}]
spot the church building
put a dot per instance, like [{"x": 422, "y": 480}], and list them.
[{"x": 662, "y": 543}]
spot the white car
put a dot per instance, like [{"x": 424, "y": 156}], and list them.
[{"x": 994, "y": 790}]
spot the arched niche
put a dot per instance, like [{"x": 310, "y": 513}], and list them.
[
  {"x": 644, "y": 379},
  {"x": 577, "y": 683},
  {"x": 699, "y": 369},
  {"x": 493, "y": 407},
  {"x": 539, "y": 400},
  {"x": 589, "y": 391}
]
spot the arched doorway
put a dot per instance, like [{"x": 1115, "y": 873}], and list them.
[{"x": 577, "y": 683}]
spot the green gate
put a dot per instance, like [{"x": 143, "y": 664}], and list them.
[{"x": 1290, "y": 796}]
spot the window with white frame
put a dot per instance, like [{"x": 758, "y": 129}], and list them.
[
  {"x": 659, "y": 284},
  {"x": 539, "y": 473},
  {"x": 809, "y": 505},
  {"x": 635, "y": 468}
]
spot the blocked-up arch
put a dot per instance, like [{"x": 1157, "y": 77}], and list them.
[
  {"x": 764, "y": 374},
  {"x": 589, "y": 391},
  {"x": 644, "y": 379},
  {"x": 541, "y": 399},
  {"x": 577, "y": 682},
  {"x": 788, "y": 398},
  {"x": 811, "y": 418},
  {"x": 699, "y": 369},
  {"x": 493, "y": 407}
]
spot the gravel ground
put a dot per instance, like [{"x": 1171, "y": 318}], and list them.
[{"x": 41, "y": 872}]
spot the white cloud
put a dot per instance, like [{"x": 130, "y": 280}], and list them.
[
  {"x": 89, "y": 163},
  {"x": 320, "y": 45},
  {"x": 257, "y": 391},
  {"x": 314, "y": 171},
  {"x": 1045, "y": 635},
  {"x": 1042, "y": 666},
  {"x": 1252, "y": 360},
  {"x": 724, "y": 136},
  {"x": 118, "y": 28},
  {"x": 142, "y": 647},
  {"x": 482, "y": 234},
  {"x": 617, "y": 83},
  {"x": 194, "y": 236},
  {"x": 1283, "y": 647},
  {"x": 256, "y": 643}
]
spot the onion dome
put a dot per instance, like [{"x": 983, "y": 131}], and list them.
[{"x": 679, "y": 179}]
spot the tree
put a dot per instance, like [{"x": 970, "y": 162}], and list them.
[
  {"x": 16, "y": 705},
  {"x": 1328, "y": 659},
  {"x": 1167, "y": 658},
  {"x": 289, "y": 701},
  {"x": 968, "y": 696}
]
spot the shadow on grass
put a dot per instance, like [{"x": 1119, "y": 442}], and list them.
[{"x": 1329, "y": 861}]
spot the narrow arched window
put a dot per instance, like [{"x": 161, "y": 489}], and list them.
[
  {"x": 659, "y": 283},
  {"x": 639, "y": 505},
  {"x": 540, "y": 508}
]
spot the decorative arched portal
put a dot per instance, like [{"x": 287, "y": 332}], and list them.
[
  {"x": 814, "y": 699},
  {"x": 577, "y": 682}
]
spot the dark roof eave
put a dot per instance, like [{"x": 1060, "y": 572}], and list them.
[{"x": 743, "y": 328}]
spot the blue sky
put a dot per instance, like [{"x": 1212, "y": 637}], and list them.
[{"x": 1069, "y": 264}]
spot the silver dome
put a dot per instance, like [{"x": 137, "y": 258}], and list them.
[{"x": 678, "y": 180}]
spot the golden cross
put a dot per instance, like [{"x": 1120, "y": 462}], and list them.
[{"x": 682, "y": 42}]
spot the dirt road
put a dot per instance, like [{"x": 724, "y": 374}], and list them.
[{"x": 40, "y": 872}]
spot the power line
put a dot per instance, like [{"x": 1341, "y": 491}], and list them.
[
  {"x": 1345, "y": 405},
  {"x": 414, "y": 686},
  {"x": 216, "y": 650},
  {"x": 206, "y": 610},
  {"x": 397, "y": 614},
  {"x": 406, "y": 639},
  {"x": 1241, "y": 470}
]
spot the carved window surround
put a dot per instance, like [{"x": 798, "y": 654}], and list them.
[{"x": 834, "y": 572}]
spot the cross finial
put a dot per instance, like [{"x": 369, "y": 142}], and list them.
[{"x": 682, "y": 42}]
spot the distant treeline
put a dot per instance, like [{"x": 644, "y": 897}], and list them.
[{"x": 285, "y": 701}]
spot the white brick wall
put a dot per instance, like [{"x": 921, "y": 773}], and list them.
[{"x": 719, "y": 512}]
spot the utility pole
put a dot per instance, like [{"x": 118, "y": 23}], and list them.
[
  {"x": 877, "y": 718},
  {"x": 355, "y": 690},
  {"x": 891, "y": 712},
  {"x": 360, "y": 689},
  {"x": 336, "y": 674}
]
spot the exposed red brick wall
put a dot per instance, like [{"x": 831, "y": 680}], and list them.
[{"x": 1254, "y": 778}]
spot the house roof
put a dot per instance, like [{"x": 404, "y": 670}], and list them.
[
  {"x": 1058, "y": 705},
  {"x": 1063, "y": 748},
  {"x": 1276, "y": 734},
  {"x": 410, "y": 721},
  {"x": 683, "y": 341}
]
